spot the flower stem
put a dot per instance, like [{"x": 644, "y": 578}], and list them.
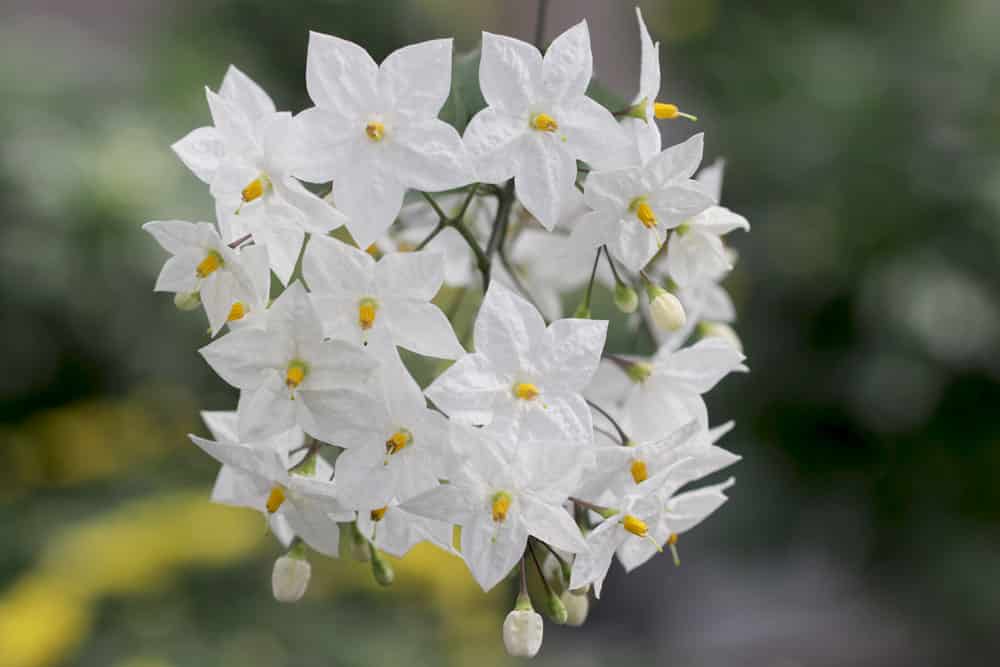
[{"x": 604, "y": 413}]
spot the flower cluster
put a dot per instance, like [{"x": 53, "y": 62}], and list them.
[{"x": 540, "y": 448}]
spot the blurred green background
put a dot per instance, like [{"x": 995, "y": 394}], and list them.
[{"x": 862, "y": 142}]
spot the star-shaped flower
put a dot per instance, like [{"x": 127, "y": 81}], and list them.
[
  {"x": 202, "y": 263},
  {"x": 395, "y": 531},
  {"x": 247, "y": 158},
  {"x": 374, "y": 130},
  {"x": 289, "y": 375},
  {"x": 524, "y": 376},
  {"x": 539, "y": 121},
  {"x": 384, "y": 303}
]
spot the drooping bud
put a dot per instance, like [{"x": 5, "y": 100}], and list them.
[
  {"x": 187, "y": 300},
  {"x": 375, "y": 130},
  {"x": 290, "y": 577},
  {"x": 640, "y": 473},
  {"x": 554, "y": 607},
  {"x": 626, "y": 299},
  {"x": 526, "y": 391},
  {"x": 381, "y": 568},
  {"x": 212, "y": 263},
  {"x": 500, "y": 505},
  {"x": 522, "y": 629},
  {"x": 577, "y": 606},
  {"x": 635, "y": 525},
  {"x": 665, "y": 111},
  {"x": 544, "y": 122},
  {"x": 667, "y": 310},
  {"x": 352, "y": 543},
  {"x": 720, "y": 330}
]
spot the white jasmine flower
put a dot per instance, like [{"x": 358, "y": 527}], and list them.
[
  {"x": 500, "y": 500},
  {"x": 539, "y": 121},
  {"x": 634, "y": 207},
  {"x": 523, "y": 374},
  {"x": 202, "y": 263},
  {"x": 374, "y": 130},
  {"x": 247, "y": 159},
  {"x": 289, "y": 375},
  {"x": 386, "y": 302}
]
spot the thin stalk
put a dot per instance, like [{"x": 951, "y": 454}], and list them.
[
  {"x": 604, "y": 413},
  {"x": 437, "y": 207},
  {"x": 611, "y": 263},
  {"x": 590, "y": 285},
  {"x": 538, "y": 566}
]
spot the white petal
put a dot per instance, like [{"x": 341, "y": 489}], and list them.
[
  {"x": 492, "y": 549},
  {"x": 552, "y": 524},
  {"x": 719, "y": 221},
  {"x": 201, "y": 150},
  {"x": 371, "y": 198},
  {"x": 178, "y": 274},
  {"x": 711, "y": 178},
  {"x": 178, "y": 237},
  {"x": 423, "y": 328},
  {"x": 243, "y": 358},
  {"x": 678, "y": 203},
  {"x": 340, "y": 75},
  {"x": 677, "y": 162},
  {"x": 234, "y": 126},
  {"x": 591, "y": 566},
  {"x": 410, "y": 275},
  {"x": 467, "y": 390},
  {"x": 345, "y": 418},
  {"x": 649, "y": 63},
  {"x": 494, "y": 139},
  {"x": 429, "y": 155},
  {"x": 573, "y": 352},
  {"x": 261, "y": 463},
  {"x": 318, "y": 215},
  {"x": 416, "y": 79},
  {"x": 446, "y": 503},
  {"x": 545, "y": 173},
  {"x": 687, "y": 510},
  {"x": 245, "y": 93},
  {"x": 634, "y": 245},
  {"x": 266, "y": 411},
  {"x": 592, "y": 133},
  {"x": 335, "y": 268},
  {"x": 701, "y": 366},
  {"x": 510, "y": 73},
  {"x": 324, "y": 143},
  {"x": 568, "y": 64},
  {"x": 506, "y": 328}
]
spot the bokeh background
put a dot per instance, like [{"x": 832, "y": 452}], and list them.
[{"x": 862, "y": 142}]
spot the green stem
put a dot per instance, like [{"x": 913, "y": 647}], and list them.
[
  {"x": 611, "y": 263},
  {"x": 621, "y": 434},
  {"x": 590, "y": 285},
  {"x": 437, "y": 207}
]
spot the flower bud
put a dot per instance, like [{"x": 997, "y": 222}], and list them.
[
  {"x": 290, "y": 576},
  {"x": 187, "y": 300},
  {"x": 352, "y": 543},
  {"x": 381, "y": 569},
  {"x": 577, "y": 606},
  {"x": 626, "y": 299},
  {"x": 554, "y": 608},
  {"x": 522, "y": 630},
  {"x": 667, "y": 311},
  {"x": 720, "y": 330},
  {"x": 582, "y": 312}
]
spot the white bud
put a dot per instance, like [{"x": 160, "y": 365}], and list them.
[
  {"x": 290, "y": 578},
  {"x": 668, "y": 313},
  {"x": 522, "y": 633},
  {"x": 577, "y": 606},
  {"x": 721, "y": 330},
  {"x": 187, "y": 300}
]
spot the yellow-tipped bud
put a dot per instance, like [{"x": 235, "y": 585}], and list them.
[
  {"x": 526, "y": 391},
  {"x": 377, "y": 515},
  {"x": 275, "y": 499},
  {"x": 254, "y": 190},
  {"x": 398, "y": 441},
  {"x": 664, "y": 111},
  {"x": 366, "y": 313},
  {"x": 635, "y": 525},
  {"x": 500, "y": 506},
  {"x": 237, "y": 312},
  {"x": 209, "y": 265},
  {"x": 640, "y": 473},
  {"x": 375, "y": 130},
  {"x": 544, "y": 122},
  {"x": 295, "y": 374}
]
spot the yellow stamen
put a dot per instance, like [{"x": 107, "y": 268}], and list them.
[
  {"x": 366, "y": 313},
  {"x": 275, "y": 499},
  {"x": 209, "y": 265},
  {"x": 295, "y": 374},
  {"x": 544, "y": 122},
  {"x": 398, "y": 441},
  {"x": 526, "y": 391},
  {"x": 254, "y": 190},
  {"x": 643, "y": 211},
  {"x": 237, "y": 312},
  {"x": 639, "y": 471},
  {"x": 377, "y": 515},
  {"x": 635, "y": 525},
  {"x": 375, "y": 130},
  {"x": 501, "y": 504},
  {"x": 672, "y": 543},
  {"x": 373, "y": 251},
  {"x": 664, "y": 111}
]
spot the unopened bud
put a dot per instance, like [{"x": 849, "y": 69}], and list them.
[
  {"x": 555, "y": 609},
  {"x": 626, "y": 299},
  {"x": 187, "y": 300},
  {"x": 667, "y": 310},
  {"x": 522, "y": 630},
  {"x": 381, "y": 569},
  {"x": 352, "y": 543},
  {"x": 577, "y": 606},
  {"x": 720, "y": 330},
  {"x": 290, "y": 577}
]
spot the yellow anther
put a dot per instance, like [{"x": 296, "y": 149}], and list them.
[
  {"x": 375, "y": 130},
  {"x": 237, "y": 312},
  {"x": 672, "y": 543},
  {"x": 639, "y": 471},
  {"x": 526, "y": 391},
  {"x": 404, "y": 246},
  {"x": 664, "y": 111},
  {"x": 544, "y": 122},
  {"x": 398, "y": 441},
  {"x": 635, "y": 525},
  {"x": 672, "y": 540},
  {"x": 295, "y": 374},
  {"x": 209, "y": 265},
  {"x": 645, "y": 214},
  {"x": 366, "y": 313},
  {"x": 501, "y": 504},
  {"x": 377, "y": 515},
  {"x": 275, "y": 499},
  {"x": 254, "y": 190},
  {"x": 373, "y": 250}
]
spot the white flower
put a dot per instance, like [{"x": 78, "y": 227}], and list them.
[
  {"x": 247, "y": 159},
  {"x": 309, "y": 505},
  {"x": 396, "y": 449},
  {"x": 524, "y": 375},
  {"x": 385, "y": 303},
  {"x": 204, "y": 264},
  {"x": 395, "y": 531},
  {"x": 374, "y": 130},
  {"x": 288, "y": 374},
  {"x": 522, "y": 633},
  {"x": 634, "y": 207},
  {"x": 500, "y": 500},
  {"x": 539, "y": 120},
  {"x": 290, "y": 578}
]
